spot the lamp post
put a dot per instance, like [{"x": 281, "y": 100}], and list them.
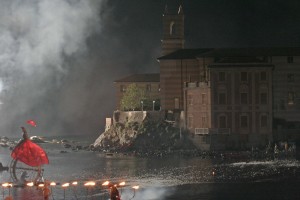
[
  {"x": 106, "y": 183},
  {"x": 52, "y": 184},
  {"x": 74, "y": 183},
  {"x": 64, "y": 186},
  {"x": 122, "y": 184},
  {"x": 7, "y": 185},
  {"x": 89, "y": 185},
  {"x": 136, "y": 187},
  {"x": 142, "y": 105},
  {"x": 153, "y": 105}
]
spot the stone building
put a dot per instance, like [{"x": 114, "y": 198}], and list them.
[
  {"x": 148, "y": 82},
  {"x": 234, "y": 96},
  {"x": 234, "y": 104}
]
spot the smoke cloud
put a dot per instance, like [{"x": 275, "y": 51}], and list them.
[
  {"x": 59, "y": 58},
  {"x": 41, "y": 42}
]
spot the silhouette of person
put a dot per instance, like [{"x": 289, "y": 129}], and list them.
[
  {"x": 46, "y": 192},
  {"x": 114, "y": 193},
  {"x": 23, "y": 177}
]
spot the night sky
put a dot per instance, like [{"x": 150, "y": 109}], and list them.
[{"x": 68, "y": 88}]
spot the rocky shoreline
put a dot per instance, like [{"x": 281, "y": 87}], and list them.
[{"x": 161, "y": 139}]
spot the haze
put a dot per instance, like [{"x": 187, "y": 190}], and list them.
[{"x": 59, "y": 58}]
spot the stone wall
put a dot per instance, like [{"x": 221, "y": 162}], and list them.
[{"x": 137, "y": 116}]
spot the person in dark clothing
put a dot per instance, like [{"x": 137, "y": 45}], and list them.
[
  {"x": 114, "y": 193},
  {"x": 2, "y": 168}
]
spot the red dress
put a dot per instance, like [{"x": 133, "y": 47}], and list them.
[{"x": 29, "y": 153}]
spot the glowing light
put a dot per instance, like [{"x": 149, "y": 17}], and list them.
[
  {"x": 213, "y": 173},
  {"x": 7, "y": 185},
  {"x": 75, "y": 183},
  {"x": 122, "y": 183},
  {"x": 41, "y": 185},
  {"x": 105, "y": 183},
  {"x": 136, "y": 187},
  {"x": 65, "y": 185},
  {"x": 30, "y": 184},
  {"x": 90, "y": 183},
  {"x": 68, "y": 184},
  {"x": 53, "y": 184}
]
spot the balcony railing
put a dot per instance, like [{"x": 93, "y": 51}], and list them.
[
  {"x": 206, "y": 131},
  {"x": 196, "y": 84}
]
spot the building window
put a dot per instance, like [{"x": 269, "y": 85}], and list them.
[
  {"x": 203, "y": 98},
  {"x": 190, "y": 100},
  {"x": 290, "y": 78},
  {"x": 263, "y": 121},
  {"x": 172, "y": 28},
  {"x": 190, "y": 122},
  {"x": 222, "y": 98},
  {"x": 176, "y": 102},
  {"x": 290, "y": 59},
  {"x": 244, "y": 121},
  {"x": 204, "y": 139},
  {"x": 263, "y": 76},
  {"x": 122, "y": 88},
  {"x": 244, "y": 98},
  {"x": 263, "y": 98},
  {"x": 222, "y": 121},
  {"x": 244, "y": 76},
  {"x": 291, "y": 98},
  {"x": 221, "y": 76},
  {"x": 148, "y": 87},
  {"x": 204, "y": 125}
]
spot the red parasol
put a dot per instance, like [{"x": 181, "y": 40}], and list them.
[
  {"x": 31, "y": 122},
  {"x": 29, "y": 153}
]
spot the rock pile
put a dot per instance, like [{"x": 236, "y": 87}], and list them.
[{"x": 147, "y": 136}]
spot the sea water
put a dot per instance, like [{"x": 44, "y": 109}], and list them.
[{"x": 173, "y": 177}]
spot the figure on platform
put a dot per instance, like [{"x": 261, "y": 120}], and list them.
[
  {"x": 46, "y": 192},
  {"x": 114, "y": 193},
  {"x": 23, "y": 177}
]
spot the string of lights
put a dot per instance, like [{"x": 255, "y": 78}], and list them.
[{"x": 64, "y": 185}]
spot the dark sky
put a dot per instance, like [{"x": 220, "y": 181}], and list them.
[{"x": 70, "y": 91}]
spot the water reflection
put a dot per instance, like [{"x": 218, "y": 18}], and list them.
[{"x": 158, "y": 178}]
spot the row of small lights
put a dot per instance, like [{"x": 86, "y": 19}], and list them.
[{"x": 75, "y": 183}]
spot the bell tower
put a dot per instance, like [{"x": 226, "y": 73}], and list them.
[{"x": 173, "y": 31}]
